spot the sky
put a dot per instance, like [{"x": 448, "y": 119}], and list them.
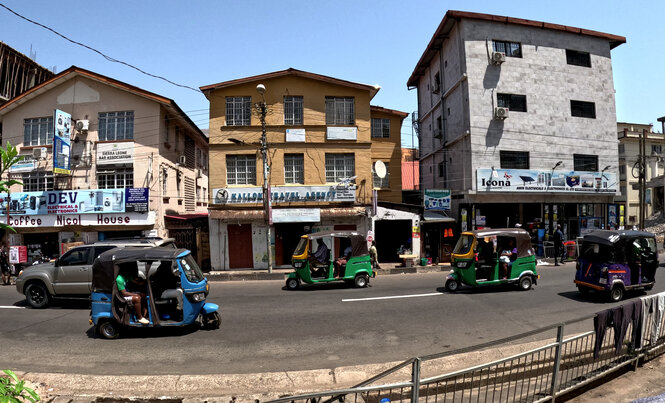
[{"x": 196, "y": 43}]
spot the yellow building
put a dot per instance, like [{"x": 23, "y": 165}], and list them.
[{"x": 322, "y": 140}]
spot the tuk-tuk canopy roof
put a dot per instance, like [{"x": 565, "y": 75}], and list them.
[
  {"x": 358, "y": 241},
  {"x": 611, "y": 237},
  {"x": 522, "y": 237},
  {"x": 105, "y": 268}
]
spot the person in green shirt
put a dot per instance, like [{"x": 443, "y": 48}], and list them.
[{"x": 137, "y": 299}]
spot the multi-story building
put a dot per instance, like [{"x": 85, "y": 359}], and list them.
[
  {"x": 102, "y": 159},
  {"x": 629, "y": 153},
  {"x": 18, "y": 73},
  {"x": 323, "y": 142},
  {"x": 517, "y": 118}
]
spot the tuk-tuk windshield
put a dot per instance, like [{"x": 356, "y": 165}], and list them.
[
  {"x": 191, "y": 269},
  {"x": 463, "y": 245},
  {"x": 598, "y": 252},
  {"x": 302, "y": 247}
]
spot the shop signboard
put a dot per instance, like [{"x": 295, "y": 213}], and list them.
[
  {"x": 83, "y": 220},
  {"x": 88, "y": 201},
  {"x": 18, "y": 254},
  {"x": 295, "y": 135},
  {"x": 437, "y": 199},
  {"x": 296, "y": 215},
  {"x": 62, "y": 142},
  {"x": 115, "y": 153},
  {"x": 341, "y": 133},
  {"x": 285, "y": 194},
  {"x": 533, "y": 180},
  {"x": 23, "y": 166}
]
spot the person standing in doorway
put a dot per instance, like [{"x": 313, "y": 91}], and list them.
[{"x": 558, "y": 245}]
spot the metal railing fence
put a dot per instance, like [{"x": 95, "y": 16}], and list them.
[{"x": 540, "y": 374}]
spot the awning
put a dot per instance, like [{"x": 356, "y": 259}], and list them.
[
  {"x": 433, "y": 217},
  {"x": 187, "y": 216},
  {"x": 258, "y": 214}
]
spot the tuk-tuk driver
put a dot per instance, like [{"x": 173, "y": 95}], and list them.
[
  {"x": 507, "y": 257},
  {"x": 135, "y": 298},
  {"x": 322, "y": 254}
]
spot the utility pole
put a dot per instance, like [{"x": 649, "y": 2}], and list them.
[
  {"x": 267, "y": 202},
  {"x": 642, "y": 183}
]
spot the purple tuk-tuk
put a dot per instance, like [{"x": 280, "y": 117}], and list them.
[{"x": 617, "y": 261}]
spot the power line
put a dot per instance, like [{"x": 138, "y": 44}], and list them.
[{"x": 109, "y": 58}]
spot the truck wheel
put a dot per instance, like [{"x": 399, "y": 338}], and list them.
[
  {"x": 108, "y": 329},
  {"x": 525, "y": 283},
  {"x": 361, "y": 280},
  {"x": 37, "y": 295},
  {"x": 616, "y": 294},
  {"x": 452, "y": 285},
  {"x": 292, "y": 283}
]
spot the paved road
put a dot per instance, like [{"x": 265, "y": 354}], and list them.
[{"x": 266, "y": 328}]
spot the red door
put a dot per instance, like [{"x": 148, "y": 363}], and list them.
[{"x": 240, "y": 246}]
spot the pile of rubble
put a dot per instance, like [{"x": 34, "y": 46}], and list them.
[{"x": 656, "y": 225}]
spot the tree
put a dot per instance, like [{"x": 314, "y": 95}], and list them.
[{"x": 8, "y": 157}]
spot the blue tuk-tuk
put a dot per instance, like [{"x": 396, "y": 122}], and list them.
[
  {"x": 174, "y": 286},
  {"x": 617, "y": 261}
]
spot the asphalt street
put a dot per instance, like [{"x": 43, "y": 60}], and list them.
[{"x": 266, "y": 328}]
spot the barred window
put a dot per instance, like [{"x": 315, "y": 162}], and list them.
[
  {"x": 37, "y": 181},
  {"x": 381, "y": 183},
  {"x": 583, "y": 109},
  {"x": 241, "y": 169},
  {"x": 577, "y": 58},
  {"x": 339, "y": 166},
  {"x": 38, "y": 131},
  {"x": 118, "y": 178},
  {"x": 238, "y": 111},
  {"x": 294, "y": 168},
  {"x": 511, "y": 49},
  {"x": 516, "y": 103},
  {"x": 585, "y": 162},
  {"x": 380, "y": 128},
  {"x": 340, "y": 111},
  {"x": 116, "y": 125},
  {"x": 293, "y": 110},
  {"x": 514, "y": 159}
]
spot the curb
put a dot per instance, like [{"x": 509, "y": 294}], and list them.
[{"x": 280, "y": 275}]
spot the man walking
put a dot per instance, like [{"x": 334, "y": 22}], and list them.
[{"x": 558, "y": 245}]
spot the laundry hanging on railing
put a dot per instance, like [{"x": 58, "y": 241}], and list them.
[
  {"x": 653, "y": 307},
  {"x": 619, "y": 318}
]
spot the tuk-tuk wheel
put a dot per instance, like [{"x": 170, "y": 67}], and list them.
[
  {"x": 292, "y": 283},
  {"x": 108, "y": 329},
  {"x": 452, "y": 285},
  {"x": 211, "y": 321},
  {"x": 361, "y": 280},
  {"x": 616, "y": 294},
  {"x": 525, "y": 283},
  {"x": 582, "y": 289}
]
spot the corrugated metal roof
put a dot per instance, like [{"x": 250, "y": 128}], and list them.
[{"x": 410, "y": 175}]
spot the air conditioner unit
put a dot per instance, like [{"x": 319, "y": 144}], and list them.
[
  {"x": 199, "y": 174},
  {"x": 39, "y": 153},
  {"x": 500, "y": 113},
  {"x": 182, "y": 159},
  {"x": 82, "y": 125},
  {"x": 498, "y": 57}
]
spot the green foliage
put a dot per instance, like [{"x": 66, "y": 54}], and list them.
[
  {"x": 8, "y": 157},
  {"x": 13, "y": 390}
]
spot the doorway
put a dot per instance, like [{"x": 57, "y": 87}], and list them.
[
  {"x": 391, "y": 236},
  {"x": 240, "y": 246}
]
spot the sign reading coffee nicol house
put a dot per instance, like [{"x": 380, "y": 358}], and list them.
[
  {"x": 531, "y": 180},
  {"x": 92, "y": 207}
]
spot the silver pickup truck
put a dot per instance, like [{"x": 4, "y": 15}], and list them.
[{"x": 70, "y": 276}]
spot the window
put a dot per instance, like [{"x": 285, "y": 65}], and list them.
[
  {"x": 578, "y": 58},
  {"x": 198, "y": 193},
  {"x": 656, "y": 148},
  {"x": 583, "y": 162},
  {"x": 380, "y": 183},
  {"x": 340, "y": 111},
  {"x": 37, "y": 181},
  {"x": 582, "y": 109},
  {"x": 514, "y": 159},
  {"x": 437, "y": 83},
  {"x": 78, "y": 256},
  {"x": 119, "y": 178},
  {"x": 511, "y": 49},
  {"x": 440, "y": 167},
  {"x": 340, "y": 166},
  {"x": 238, "y": 111},
  {"x": 622, "y": 148},
  {"x": 516, "y": 103},
  {"x": 38, "y": 131},
  {"x": 116, "y": 125},
  {"x": 294, "y": 168},
  {"x": 165, "y": 182},
  {"x": 293, "y": 110},
  {"x": 380, "y": 128},
  {"x": 241, "y": 169}
]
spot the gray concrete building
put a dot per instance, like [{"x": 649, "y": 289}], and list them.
[{"x": 517, "y": 118}]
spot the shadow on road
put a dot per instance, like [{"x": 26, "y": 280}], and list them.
[
  {"x": 487, "y": 289},
  {"x": 598, "y": 297},
  {"x": 150, "y": 332},
  {"x": 58, "y": 304},
  {"x": 335, "y": 285}
]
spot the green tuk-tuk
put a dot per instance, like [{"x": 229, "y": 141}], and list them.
[
  {"x": 491, "y": 257},
  {"x": 352, "y": 264}
]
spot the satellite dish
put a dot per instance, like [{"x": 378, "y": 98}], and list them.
[{"x": 380, "y": 169}]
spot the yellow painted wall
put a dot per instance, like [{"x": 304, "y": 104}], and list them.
[{"x": 389, "y": 150}]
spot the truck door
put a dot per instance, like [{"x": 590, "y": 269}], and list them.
[{"x": 73, "y": 272}]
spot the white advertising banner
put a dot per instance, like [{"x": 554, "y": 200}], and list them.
[
  {"x": 296, "y": 215},
  {"x": 23, "y": 166},
  {"x": 285, "y": 194},
  {"x": 531, "y": 180},
  {"x": 342, "y": 133},
  {"x": 295, "y": 135},
  {"x": 86, "y": 220},
  {"x": 115, "y": 153}
]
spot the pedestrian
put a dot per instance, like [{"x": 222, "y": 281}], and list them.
[
  {"x": 558, "y": 245},
  {"x": 4, "y": 265},
  {"x": 373, "y": 255}
]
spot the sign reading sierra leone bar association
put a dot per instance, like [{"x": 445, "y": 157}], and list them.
[
  {"x": 115, "y": 153},
  {"x": 533, "y": 180}
]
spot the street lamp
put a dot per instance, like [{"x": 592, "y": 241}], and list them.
[{"x": 267, "y": 202}]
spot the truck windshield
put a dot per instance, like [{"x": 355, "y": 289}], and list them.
[
  {"x": 302, "y": 247},
  {"x": 191, "y": 269},
  {"x": 463, "y": 245}
]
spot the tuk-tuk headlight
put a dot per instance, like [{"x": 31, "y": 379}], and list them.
[
  {"x": 197, "y": 297},
  {"x": 604, "y": 270},
  {"x": 462, "y": 265},
  {"x": 298, "y": 265}
]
